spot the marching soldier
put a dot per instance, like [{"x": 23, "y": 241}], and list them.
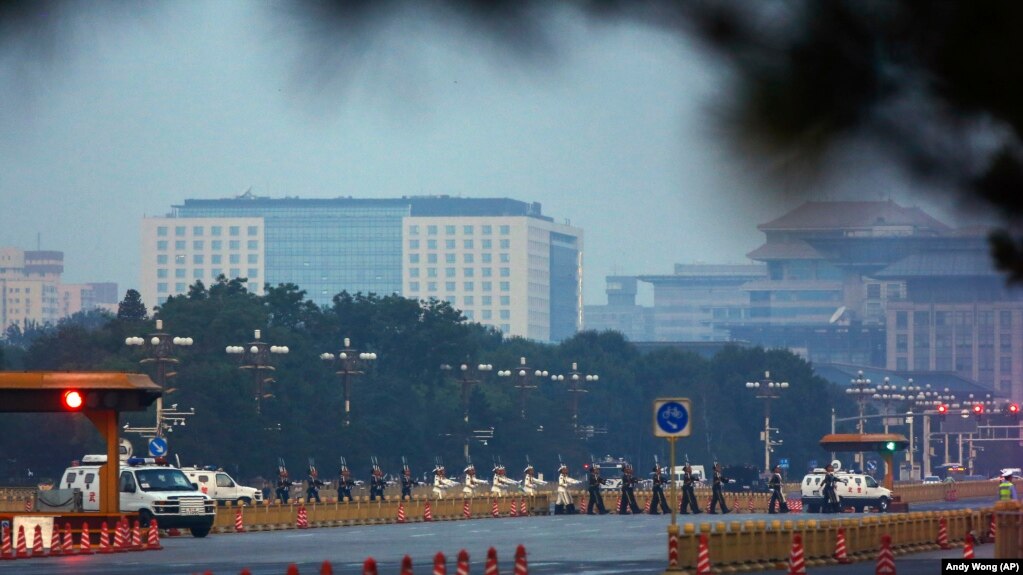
[
  {"x": 776, "y": 494},
  {"x": 831, "y": 502},
  {"x": 313, "y": 484},
  {"x": 440, "y": 482},
  {"x": 628, "y": 491},
  {"x": 501, "y": 482},
  {"x": 470, "y": 482},
  {"x": 283, "y": 486},
  {"x": 376, "y": 483},
  {"x": 594, "y": 481},
  {"x": 659, "y": 504},
  {"x": 344, "y": 483},
  {"x": 564, "y": 505},
  {"x": 717, "y": 496},
  {"x": 529, "y": 481},
  {"x": 689, "y": 492},
  {"x": 407, "y": 482}
]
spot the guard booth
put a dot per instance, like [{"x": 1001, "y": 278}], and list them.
[{"x": 100, "y": 396}]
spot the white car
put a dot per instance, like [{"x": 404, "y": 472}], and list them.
[
  {"x": 221, "y": 486},
  {"x": 854, "y": 490},
  {"x": 931, "y": 479}
]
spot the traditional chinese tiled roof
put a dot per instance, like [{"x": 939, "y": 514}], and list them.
[{"x": 855, "y": 215}]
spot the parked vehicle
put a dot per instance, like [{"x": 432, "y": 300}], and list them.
[
  {"x": 220, "y": 486},
  {"x": 854, "y": 490}
]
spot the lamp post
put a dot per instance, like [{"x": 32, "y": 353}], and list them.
[
  {"x": 256, "y": 357},
  {"x": 860, "y": 389},
  {"x": 767, "y": 389},
  {"x": 979, "y": 407},
  {"x": 160, "y": 349},
  {"x": 347, "y": 364},
  {"x": 524, "y": 381},
  {"x": 575, "y": 387},
  {"x": 888, "y": 394},
  {"x": 468, "y": 375}
]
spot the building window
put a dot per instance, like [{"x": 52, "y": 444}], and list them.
[
  {"x": 488, "y": 314},
  {"x": 179, "y": 259},
  {"x": 179, "y": 272},
  {"x": 505, "y": 286},
  {"x": 468, "y": 314},
  {"x": 234, "y": 231},
  {"x": 253, "y": 258},
  {"x": 216, "y": 230},
  {"x": 413, "y": 272},
  {"x": 468, "y": 300},
  {"x": 179, "y": 287},
  {"x": 197, "y": 273},
  {"x": 413, "y": 230},
  {"x": 179, "y": 245},
  {"x": 431, "y": 286},
  {"x": 413, "y": 286},
  {"x": 161, "y": 259},
  {"x": 467, "y": 272},
  {"x": 467, "y": 244},
  {"x": 449, "y": 258},
  {"x": 487, "y": 272},
  {"x": 161, "y": 245},
  {"x": 486, "y": 258},
  {"x": 901, "y": 343},
  {"x": 234, "y": 245},
  {"x": 505, "y": 300},
  {"x": 901, "y": 320},
  {"x": 505, "y": 258},
  {"x": 449, "y": 244},
  {"x": 235, "y": 259},
  {"x": 467, "y": 258},
  {"x": 431, "y": 258},
  {"x": 413, "y": 258},
  {"x": 236, "y": 273},
  {"x": 506, "y": 328},
  {"x": 505, "y": 230},
  {"x": 487, "y": 244},
  {"x": 253, "y": 244},
  {"x": 431, "y": 272},
  {"x": 449, "y": 272},
  {"x": 216, "y": 273},
  {"x": 487, "y": 230},
  {"x": 468, "y": 286},
  {"x": 253, "y": 273},
  {"x": 449, "y": 286},
  {"x": 431, "y": 244},
  {"x": 161, "y": 273},
  {"x": 449, "y": 230},
  {"x": 486, "y": 300},
  {"x": 161, "y": 287},
  {"x": 873, "y": 291},
  {"x": 161, "y": 231},
  {"x": 197, "y": 245},
  {"x": 1005, "y": 319},
  {"x": 1005, "y": 365},
  {"x": 217, "y": 245},
  {"x": 431, "y": 230},
  {"x": 253, "y": 231},
  {"x": 467, "y": 230},
  {"x": 179, "y": 231},
  {"x": 197, "y": 230},
  {"x": 487, "y": 286},
  {"x": 216, "y": 259},
  {"x": 505, "y": 314},
  {"x": 197, "y": 259},
  {"x": 505, "y": 272},
  {"x": 413, "y": 244}
]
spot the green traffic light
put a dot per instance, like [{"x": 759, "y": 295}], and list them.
[{"x": 890, "y": 446}]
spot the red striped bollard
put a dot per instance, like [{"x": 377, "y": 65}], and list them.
[
  {"x": 703, "y": 557},
  {"x": 491, "y": 565},
  {"x": 401, "y": 512},
  {"x": 439, "y": 564},
  {"x": 22, "y": 549},
  {"x": 840, "y": 552},
  {"x": 649, "y": 503},
  {"x": 521, "y": 567},
  {"x": 37, "y": 544},
  {"x": 992, "y": 531},
  {"x": 104, "y": 538},
  {"x": 406, "y": 565},
  {"x": 673, "y": 548},
  {"x": 6, "y": 550},
  {"x": 427, "y": 513},
  {"x": 369, "y": 566},
  {"x": 512, "y": 510},
  {"x": 239, "y": 521},
  {"x": 968, "y": 547},
  {"x": 524, "y": 510},
  {"x": 494, "y": 511},
  {"x": 326, "y": 568},
  {"x": 466, "y": 510},
  {"x": 622, "y": 510},
  {"x": 885, "y": 559},
  {"x": 69, "y": 546},
  {"x": 55, "y": 547},
  {"x": 292, "y": 570},
  {"x": 797, "y": 563},
  {"x": 462, "y": 567},
  {"x": 303, "y": 517},
  {"x": 84, "y": 543},
  {"x": 749, "y": 506},
  {"x": 943, "y": 534}
]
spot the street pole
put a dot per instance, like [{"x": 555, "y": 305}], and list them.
[
  {"x": 927, "y": 446},
  {"x": 911, "y": 444}
]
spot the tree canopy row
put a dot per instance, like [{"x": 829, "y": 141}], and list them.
[{"x": 404, "y": 405}]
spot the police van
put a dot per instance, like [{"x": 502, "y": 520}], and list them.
[
  {"x": 150, "y": 487},
  {"x": 220, "y": 486},
  {"x": 854, "y": 490}
]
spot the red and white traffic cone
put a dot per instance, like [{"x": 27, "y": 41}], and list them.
[
  {"x": 119, "y": 542},
  {"x": 490, "y": 567},
  {"x": 401, "y": 512},
  {"x": 291, "y": 570},
  {"x": 22, "y": 549},
  {"x": 618, "y": 506},
  {"x": 512, "y": 510},
  {"x": 439, "y": 564},
  {"x": 239, "y": 521},
  {"x": 735, "y": 503},
  {"x": 494, "y": 511},
  {"x": 885, "y": 559},
  {"x": 37, "y": 544},
  {"x": 136, "y": 537},
  {"x": 369, "y": 566},
  {"x": 427, "y": 513},
  {"x": 524, "y": 509},
  {"x": 992, "y": 531},
  {"x": 943, "y": 534},
  {"x": 69, "y": 546},
  {"x": 154, "y": 536},
  {"x": 55, "y": 546},
  {"x": 303, "y": 517},
  {"x": 30, "y": 504},
  {"x": 104, "y": 538},
  {"x": 582, "y": 503},
  {"x": 797, "y": 563},
  {"x": 840, "y": 552},
  {"x": 702, "y": 557},
  {"x": 521, "y": 567},
  {"x": 326, "y": 568},
  {"x": 968, "y": 547},
  {"x": 6, "y": 549},
  {"x": 406, "y": 565},
  {"x": 466, "y": 510},
  {"x": 649, "y": 502},
  {"x": 462, "y": 567},
  {"x": 84, "y": 543},
  {"x": 749, "y": 504}
]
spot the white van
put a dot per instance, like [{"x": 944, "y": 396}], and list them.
[
  {"x": 854, "y": 490},
  {"x": 150, "y": 487},
  {"x": 221, "y": 486},
  {"x": 698, "y": 474}
]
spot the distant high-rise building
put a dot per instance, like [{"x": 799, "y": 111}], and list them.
[
  {"x": 499, "y": 260},
  {"x": 622, "y": 313}
]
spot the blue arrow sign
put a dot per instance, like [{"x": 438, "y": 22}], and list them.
[
  {"x": 671, "y": 418},
  {"x": 157, "y": 446}
]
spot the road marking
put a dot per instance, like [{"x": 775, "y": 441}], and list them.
[
  {"x": 298, "y": 535},
  {"x": 422, "y": 535}
]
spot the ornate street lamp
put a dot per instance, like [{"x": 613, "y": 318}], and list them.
[
  {"x": 576, "y": 380},
  {"x": 468, "y": 375},
  {"x": 767, "y": 389},
  {"x": 255, "y": 357},
  {"x": 524, "y": 381},
  {"x": 347, "y": 364},
  {"x": 160, "y": 348}
]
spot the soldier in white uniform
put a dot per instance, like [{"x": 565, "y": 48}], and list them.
[
  {"x": 564, "y": 504},
  {"x": 470, "y": 483},
  {"x": 501, "y": 482},
  {"x": 440, "y": 482},
  {"x": 530, "y": 482}
]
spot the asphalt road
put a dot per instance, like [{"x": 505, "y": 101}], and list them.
[{"x": 580, "y": 544}]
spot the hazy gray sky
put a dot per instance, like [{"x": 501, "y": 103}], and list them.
[{"x": 126, "y": 115}]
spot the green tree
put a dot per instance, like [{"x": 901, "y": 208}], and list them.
[{"x": 131, "y": 307}]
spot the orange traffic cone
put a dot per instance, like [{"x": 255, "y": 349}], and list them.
[
  {"x": 85, "y": 544},
  {"x": 491, "y": 566},
  {"x": 797, "y": 563},
  {"x": 302, "y": 522},
  {"x": 968, "y": 547},
  {"x": 673, "y": 551},
  {"x": 943, "y": 534},
  {"x": 702, "y": 557},
  {"x": 840, "y": 553},
  {"x": 885, "y": 559},
  {"x": 439, "y": 564},
  {"x": 521, "y": 567}
]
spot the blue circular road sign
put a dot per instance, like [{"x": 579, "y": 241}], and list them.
[
  {"x": 672, "y": 417},
  {"x": 157, "y": 446}
]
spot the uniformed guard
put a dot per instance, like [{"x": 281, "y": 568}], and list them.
[
  {"x": 407, "y": 482},
  {"x": 377, "y": 484},
  {"x": 529, "y": 480},
  {"x": 501, "y": 483},
  {"x": 440, "y": 481},
  {"x": 283, "y": 491},
  {"x": 344, "y": 482},
  {"x": 776, "y": 495},
  {"x": 1006, "y": 490},
  {"x": 659, "y": 503},
  {"x": 470, "y": 482},
  {"x": 594, "y": 481},
  {"x": 563, "y": 505},
  {"x": 689, "y": 492},
  {"x": 717, "y": 495},
  {"x": 629, "y": 481},
  {"x": 313, "y": 484},
  {"x": 828, "y": 489}
]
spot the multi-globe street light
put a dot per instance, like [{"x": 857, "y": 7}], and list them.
[
  {"x": 468, "y": 375},
  {"x": 576, "y": 381},
  {"x": 524, "y": 381},
  {"x": 767, "y": 389},
  {"x": 256, "y": 357},
  {"x": 160, "y": 348},
  {"x": 348, "y": 363}
]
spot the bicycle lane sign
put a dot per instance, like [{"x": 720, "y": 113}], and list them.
[{"x": 671, "y": 417}]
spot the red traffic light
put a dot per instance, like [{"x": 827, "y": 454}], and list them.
[
  {"x": 942, "y": 409},
  {"x": 1012, "y": 408},
  {"x": 72, "y": 400},
  {"x": 978, "y": 409}
]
